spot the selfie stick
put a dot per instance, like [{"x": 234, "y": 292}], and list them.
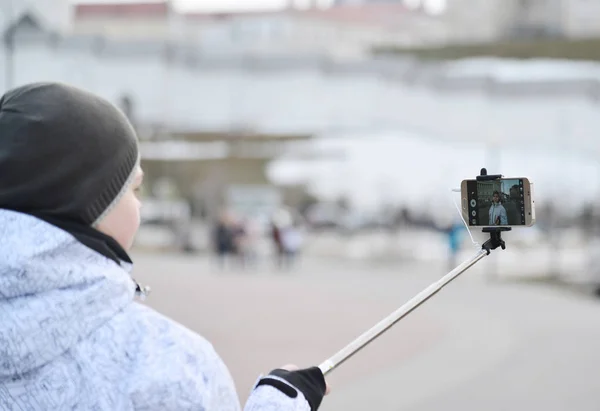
[{"x": 378, "y": 329}]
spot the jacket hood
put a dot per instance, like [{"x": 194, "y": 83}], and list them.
[{"x": 54, "y": 291}]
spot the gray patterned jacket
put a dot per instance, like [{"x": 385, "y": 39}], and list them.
[{"x": 72, "y": 338}]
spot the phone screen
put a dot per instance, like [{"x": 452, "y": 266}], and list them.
[{"x": 496, "y": 202}]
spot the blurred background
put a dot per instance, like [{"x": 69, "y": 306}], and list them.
[{"x": 301, "y": 154}]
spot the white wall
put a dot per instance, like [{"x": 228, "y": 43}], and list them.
[
  {"x": 149, "y": 28},
  {"x": 476, "y": 21},
  {"x": 314, "y": 100},
  {"x": 581, "y": 18}
]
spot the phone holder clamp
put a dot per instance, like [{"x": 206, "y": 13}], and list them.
[{"x": 495, "y": 240}]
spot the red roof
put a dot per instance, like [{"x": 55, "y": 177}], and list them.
[{"x": 122, "y": 9}]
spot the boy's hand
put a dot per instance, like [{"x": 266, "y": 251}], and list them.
[{"x": 292, "y": 367}]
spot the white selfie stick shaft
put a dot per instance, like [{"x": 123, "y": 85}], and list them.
[{"x": 385, "y": 324}]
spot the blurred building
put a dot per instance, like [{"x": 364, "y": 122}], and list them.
[
  {"x": 536, "y": 19},
  {"x": 485, "y": 189},
  {"x": 344, "y": 31},
  {"x": 131, "y": 20},
  {"x": 350, "y": 28},
  {"x": 216, "y": 170},
  {"x": 177, "y": 87},
  {"x": 580, "y": 18},
  {"x": 236, "y": 107},
  {"x": 55, "y": 15},
  {"x": 529, "y": 19},
  {"x": 480, "y": 21},
  {"x": 468, "y": 21}
]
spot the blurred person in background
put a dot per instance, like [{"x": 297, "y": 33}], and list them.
[
  {"x": 276, "y": 238},
  {"x": 280, "y": 220},
  {"x": 251, "y": 242},
  {"x": 291, "y": 244},
  {"x": 454, "y": 235},
  {"x": 287, "y": 238},
  {"x": 223, "y": 238},
  {"x": 239, "y": 237},
  {"x": 497, "y": 212},
  {"x": 71, "y": 335},
  {"x": 452, "y": 229}
]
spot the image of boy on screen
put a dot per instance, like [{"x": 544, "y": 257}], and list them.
[{"x": 497, "y": 212}]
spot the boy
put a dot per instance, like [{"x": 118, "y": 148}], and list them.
[
  {"x": 497, "y": 212},
  {"x": 71, "y": 336}
]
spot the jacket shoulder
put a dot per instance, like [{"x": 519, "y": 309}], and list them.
[{"x": 171, "y": 367}]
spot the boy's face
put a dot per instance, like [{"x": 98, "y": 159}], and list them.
[{"x": 123, "y": 221}]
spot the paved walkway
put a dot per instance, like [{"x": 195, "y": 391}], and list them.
[{"x": 478, "y": 345}]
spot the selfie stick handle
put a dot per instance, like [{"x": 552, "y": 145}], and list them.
[
  {"x": 382, "y": 326},
  {"x": 359, "y": 343}
]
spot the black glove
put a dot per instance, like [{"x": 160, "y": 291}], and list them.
[{"x": 310, "y": 382}]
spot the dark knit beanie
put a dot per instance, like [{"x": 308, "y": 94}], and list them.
[{"x": 64, "y": 152}]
